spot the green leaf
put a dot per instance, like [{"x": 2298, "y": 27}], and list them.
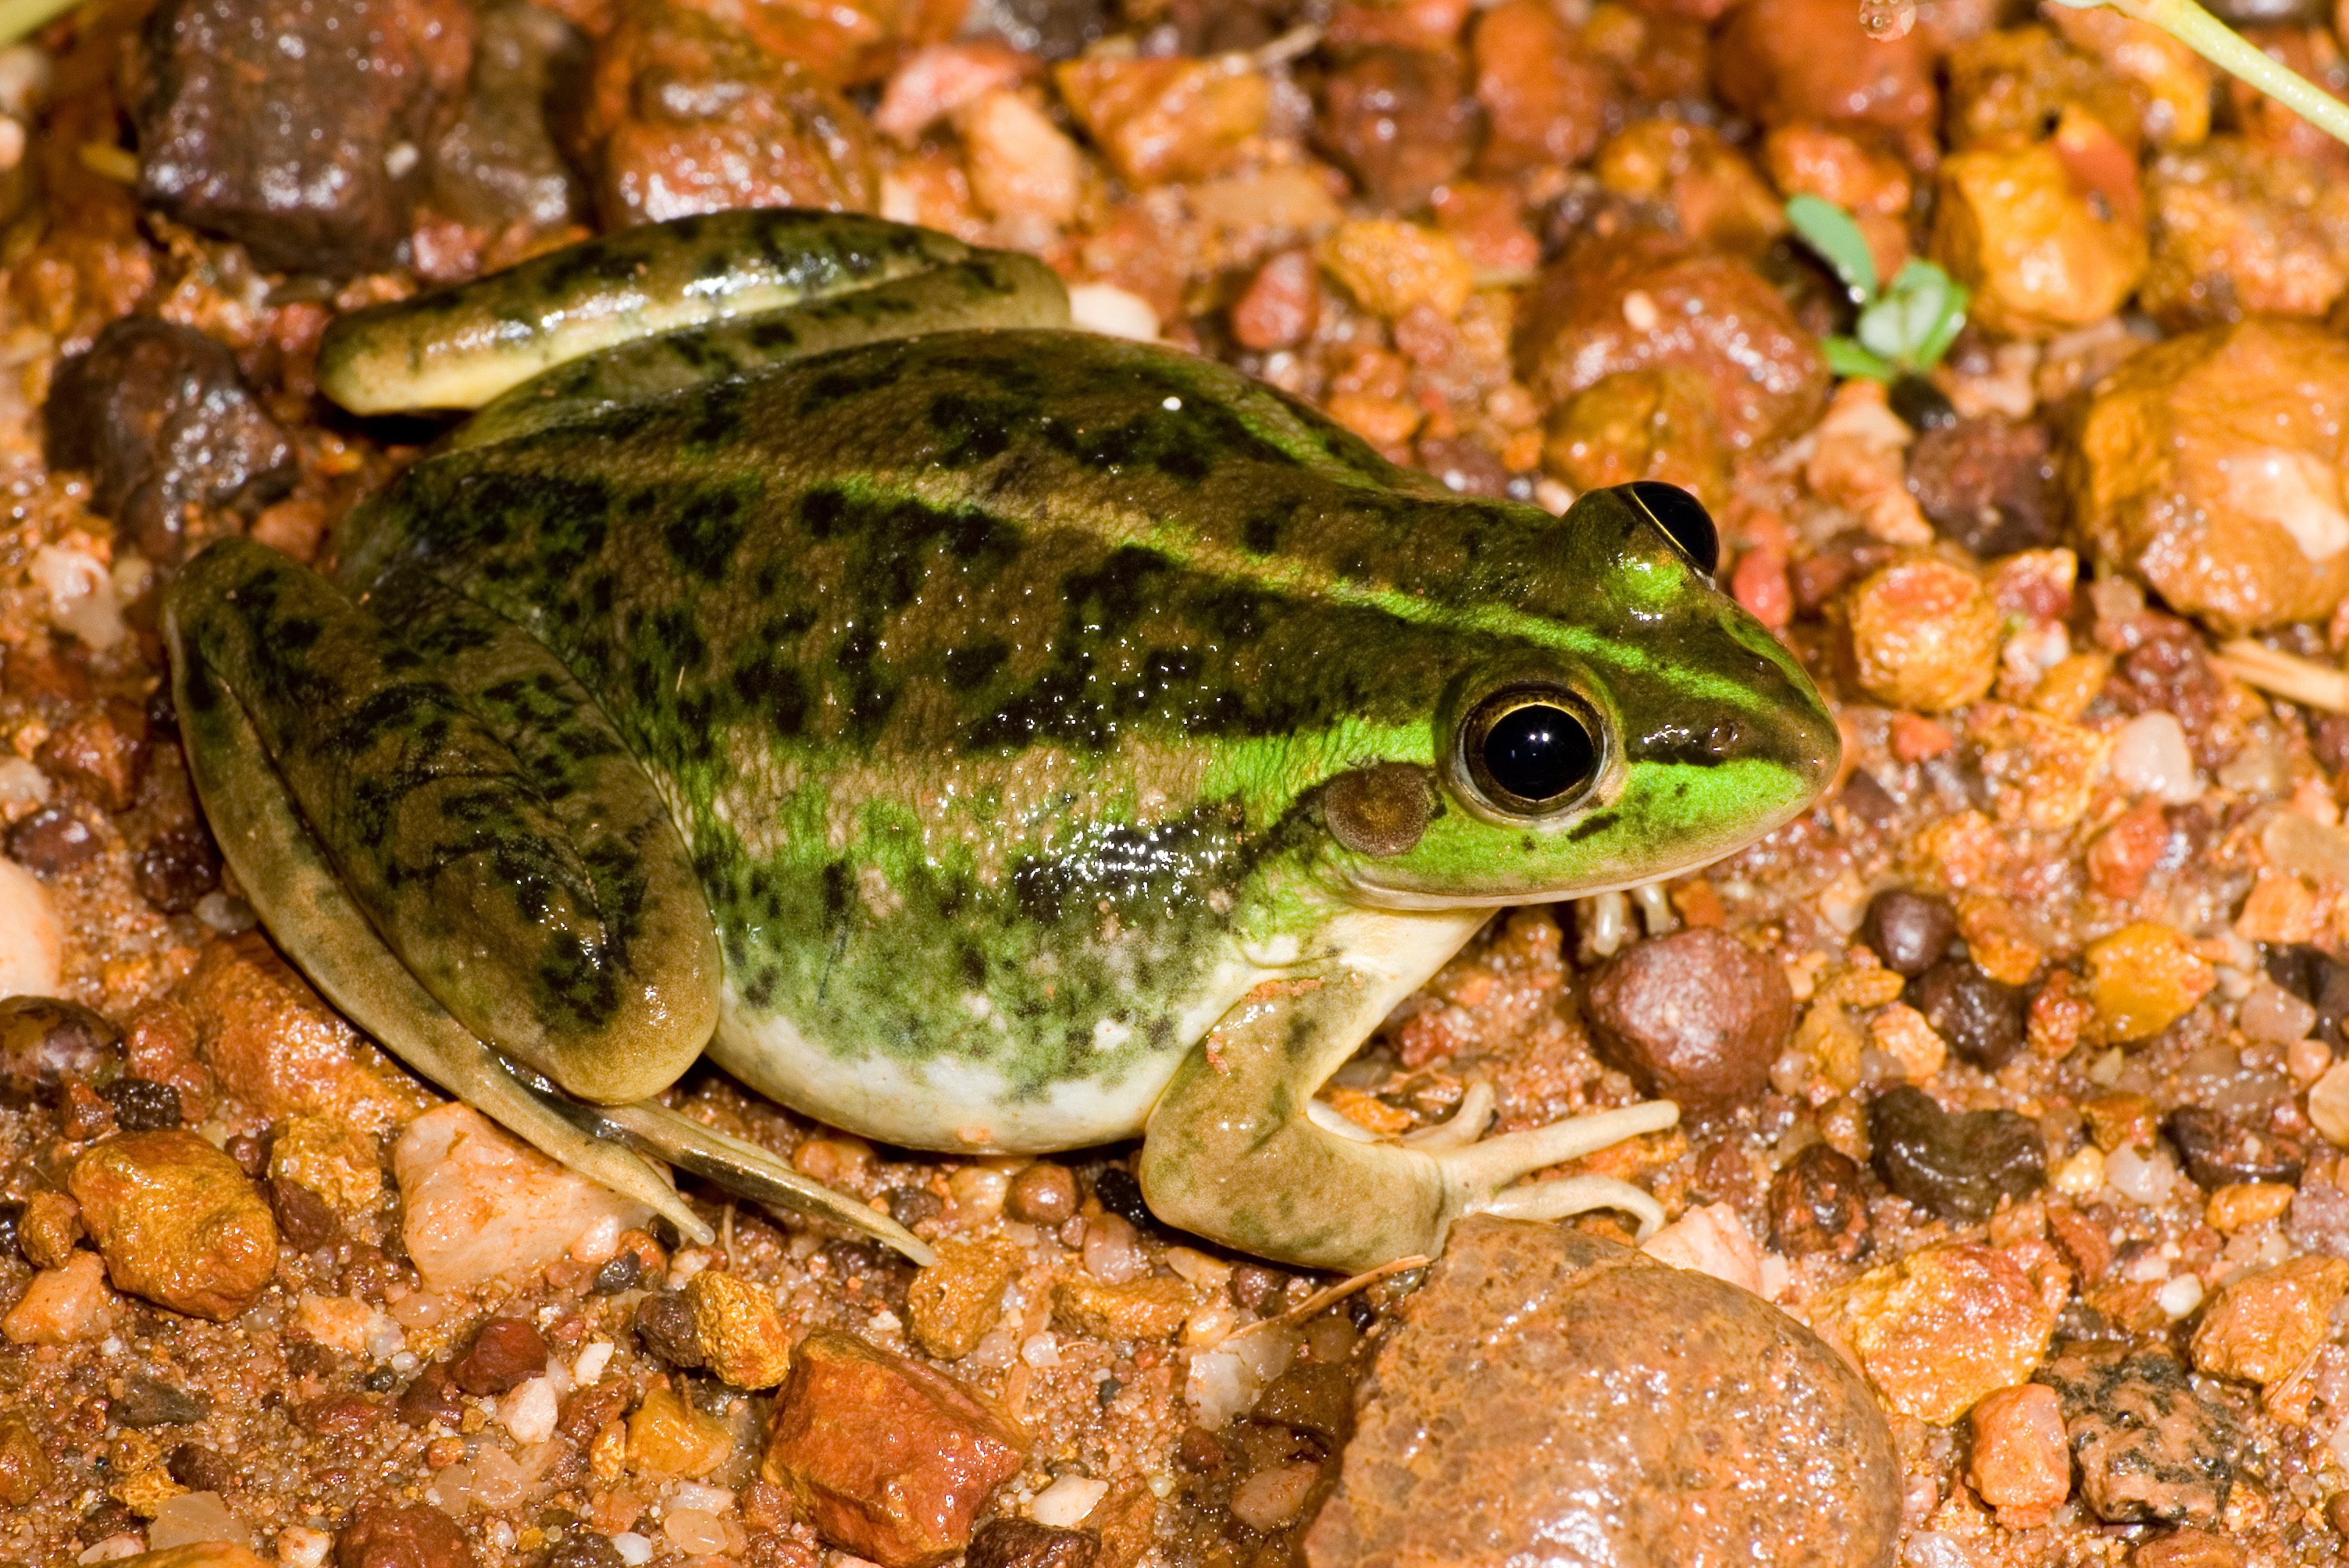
[
  {"x": 1944, "y": 331},
  {"x": 1828, "y": 230},
  {"x": 1848, "y": 358}
]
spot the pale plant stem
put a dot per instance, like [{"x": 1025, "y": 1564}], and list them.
[{"x": 2233, "y": 53}]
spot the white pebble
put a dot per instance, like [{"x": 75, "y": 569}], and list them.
[
  {"x": 82, "y": 600},
  {"x": 1114, "y": 312},
  {"x": 528, "y": 1412},
  {"x": 299, "y": 1546},
  {"x": 1041, "y": 1350},
  {"x": 478, "y": 1204},
  {"x": 2180, "y": 1296},
  {"x": 1113, "y": 1253},
  {"x": 224, "y": 913},
  {"x": 31, "y": 937},
  {"x": 694, "y": 1494},
  {"x": 2139, "y": 1178},
  {"x": 633, "y": 1548},
  {"x": 193, "y": 1518},
  {"x": 2328, "y": 1104},
  {"x": 1064, "y": 1504},
  {"x": 2274, "y": 1014},
  {"x": 592, "y": 1362},
  {"x": 696, "y": 1532},
  {"x": 2150, "y": 758},
  {"x": 114, "y": 1548},
  {"x": 22, "y": 786}
]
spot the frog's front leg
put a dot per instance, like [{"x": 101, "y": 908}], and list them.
[
  {"x": 441, "y": 829},
  {"x": 1239, "y": 1151}
]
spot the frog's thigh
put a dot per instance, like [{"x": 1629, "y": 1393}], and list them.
[
  {"x": 472, "y": 798},
  {"x": 985, "y": 289},
  {"x": 1237, "y": 1151}
]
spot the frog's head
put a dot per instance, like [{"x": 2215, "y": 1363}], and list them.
[{"x": 1625, "y": 720}]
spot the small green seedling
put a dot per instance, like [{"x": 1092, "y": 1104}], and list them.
[{"x": 1903, "y": 330}]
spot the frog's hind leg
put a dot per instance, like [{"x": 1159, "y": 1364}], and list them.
[
  {"x": 1236, "y": 1150},
  {"x": 465, "y": 347},
  {"x": 442, "y": 831}
]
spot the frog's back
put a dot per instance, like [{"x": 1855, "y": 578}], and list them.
[{"x": 983, "y": 673}]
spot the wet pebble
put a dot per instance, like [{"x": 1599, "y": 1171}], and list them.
[
  {"x": 2217, "y": 1152},
  {"x": 2151, "y": 1446},
  {"x": 1909, "y": 931},
  {"x": 885, "y": 1457},
  {"x": 1981, "y": 1019},
  {"x": 177, "y": 868},
  {"x": 1954, "y": 1165},
  {"x": 142, "y": 1104},
  {"x": 415, "y": 1536},
  {"x": 44, "y": 1041},
  {"x": 53, "y": 840},
  {"x": 665, "y": 1327},
  {"x": 1495, "y": 1426},
  {"x": 1043, "y": 1194},
  {"x": 1119, "y": 1192},
  {"x": 304, "y": 1219},
  {"x": 147, "y": 1401},
  {"x": 1023, "y": 1544},
  {"x": 200, "y": 1469},
  {"x": 1818, "y": 1204},
  {"x": 1697, "y": 1016},
  {"x": 177, "y": 1222},
  {"x": 505, "y": 1352}
]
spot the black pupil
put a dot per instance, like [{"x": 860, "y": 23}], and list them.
[
  {"x": 1538, "y": 752},
  {"x": 1684, "y": 518}
]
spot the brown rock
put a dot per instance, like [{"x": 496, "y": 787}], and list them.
[
  {"x": 415, "y": 1536},
  {"x": 1714, "y": 314},
  {"x": 1655, "y": 424},
  {"x": 693, "y": 116},
  {"x": 1697, "y": 1016},
  {"x": 44, "y": 1041},
  {"x": 101, "y": 753},
  {"x": 1924, "y": 635},
  {"x": 504, "y": 1354},
  {"x": 1543, "y": 102},
  {"x": 1988, "y": 482},
  {"x": 2151, "y": 1446},
  {"x": 177, "y": 1222},
  {"x": 886, "y": 1457},
  {"x": 61, "y": 1305},
  {"x": 1151, "y": 1308},
  {"x": 275, "y": 1044},
  {"x": 1496, "y": 1427},
  {"x": 1165, "y": 118},
  {"x": 1280, "y": 309},
  {"x": 1399, "y": 120},
  {"x": 1787, "y": 61},
  {"x": 668, "y": 1437},
  {"x": 24, "y": 1463},
  {"x": 266, "y": 120},
  {"x": 162, "y": 418},
  {"x": 1043, "y": 1194},
  {"x": 2189, "y": 1548},
  {"x": 198, "y": 1554},
  {"x": 2242, "y": 230},
  {"x": 2019, "y": 1464},
  {"x": 1023, "y": 1544},
  {"x": 1818, "y": 1204},
  {"x": 340, "y": 1163},
  {"x": 1942, "y": 1328},
  {"x": 955, "y": 1301},
  {"x": 2265, "y": 1326},
  {"x": 2210, "y": 467},
  {"x": 49, "y": 1230},
  {"x": 742, "y": 1334},
  {"x": 2042, "y": 252}
]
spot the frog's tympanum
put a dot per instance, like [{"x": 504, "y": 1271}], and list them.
[{"x": 977, "y": 734}]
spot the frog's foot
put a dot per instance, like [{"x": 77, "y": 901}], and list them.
[
  {"x": 1237, "y": 1148},
  {"x": 442, "y": 831}
]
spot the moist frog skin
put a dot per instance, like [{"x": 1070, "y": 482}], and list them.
[{"x": 977, "y": 733}]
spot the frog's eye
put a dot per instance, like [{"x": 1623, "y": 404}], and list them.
[
  {"x": 1683, "y": 519},
  {"x": 1531, "y": 750}
]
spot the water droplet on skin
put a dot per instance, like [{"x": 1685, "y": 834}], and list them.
[{"x": 1885, "y": 20}]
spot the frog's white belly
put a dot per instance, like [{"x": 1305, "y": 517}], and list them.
[{"x": 956, "y": 1103}]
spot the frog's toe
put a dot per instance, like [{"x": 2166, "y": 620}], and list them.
[{"x": 1483, "y": 1172}]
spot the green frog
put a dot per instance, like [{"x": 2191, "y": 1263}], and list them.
[{"x": 974, "y": 733}]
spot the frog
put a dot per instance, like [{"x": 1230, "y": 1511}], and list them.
[{"x": 809, "y": 649}]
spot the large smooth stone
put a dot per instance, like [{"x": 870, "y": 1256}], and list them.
[{"x": 1551, "y": 1397}]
